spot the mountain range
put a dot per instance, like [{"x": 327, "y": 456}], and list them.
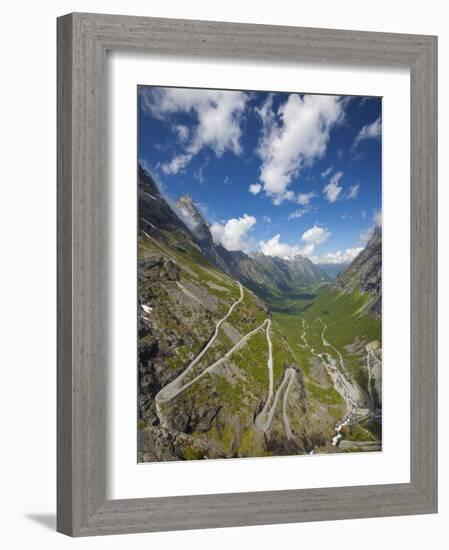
[{"x": 255, "y": 270}]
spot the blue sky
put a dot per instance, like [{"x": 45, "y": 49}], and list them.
[{"x": 285, "y": 173}]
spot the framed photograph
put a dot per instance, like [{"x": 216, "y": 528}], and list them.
[{"x": 247, "y": 280}]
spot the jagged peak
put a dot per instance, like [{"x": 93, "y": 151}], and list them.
[
  {"x": 295, "y": 258},
  {"x": 186, "y": 201}
]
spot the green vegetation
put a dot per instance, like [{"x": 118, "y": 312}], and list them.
[
  {"x": 344, "y": 317},
  {"x": 192, "y": 453},
  {"x": 141, "y": 424},
  {"x": 291, "y": 327},
  {"x": 249, "y": 445},
  {"x": 293, "y": 300},
  {"x": 329, "y": 395},
  {"x": 357, "y": 433},
  {"x": 282, "y": 354},
  {"x": 252, "y": 360}
]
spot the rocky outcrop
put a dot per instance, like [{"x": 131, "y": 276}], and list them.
[{"x": 365, "y": 273}]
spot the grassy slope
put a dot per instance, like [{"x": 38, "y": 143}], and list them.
[{"x": 345, "y": 324}]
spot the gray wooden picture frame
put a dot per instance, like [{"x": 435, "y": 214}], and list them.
[{"x": 83, "y": 40}]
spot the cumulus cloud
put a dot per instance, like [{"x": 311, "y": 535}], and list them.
[
  {"x": 294, "y": 135},
  {"x": 255, "y": 188},
  {"x": 353, "y": 191},
  {"x": 316, "y": 235},
  {"x": 217, "y": 113},
  {"x": 338, "y": 257},
  {"x": 332, "y": 190},
  {"x": 369, "y": 131},
  {"x": 232, "y": 234},
  {"x": 313, "y": 237},
  {"x": 304, "y": 198},
  {"x": 274, "y": 247}
]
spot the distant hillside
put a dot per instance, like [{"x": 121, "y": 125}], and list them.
[{"x": 365, "y": 273}]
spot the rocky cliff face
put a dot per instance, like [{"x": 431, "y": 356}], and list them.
[
  {"x": 154, "y": 211},
  {"x": 365, "y": 273}
]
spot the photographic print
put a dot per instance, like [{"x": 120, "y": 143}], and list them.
[{"x": 259, "y": 300}]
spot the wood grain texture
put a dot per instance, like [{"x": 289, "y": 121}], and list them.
[{"x": 83, "y": 40}]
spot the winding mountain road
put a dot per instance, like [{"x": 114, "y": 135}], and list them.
[
  {"x": 368, "y": 366},
  {"x": 328, "y": 344},
  {"x": 288, "y": 430},
  {"x": 175, "y": 387},
  {"x": 338, "y": 378},
  {"x": 264, "y": 419},
  {"x": 264, "y": 424}
]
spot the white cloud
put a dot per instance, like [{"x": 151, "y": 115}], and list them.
[
  {"x": 293, "y": 136},
  {"x": 274, "y": 247},
  {"x": 327, "y": 172},
  {"x": 286, "y": 196},
  {"x": 182, "y": 131},
  {"x": 312, "y": 237},
  {"x": 369, "y": 131},
  {"x": 186, "y": 216},
  {"x": 363, "y": 214},
  {"x": 353, "y": 191},
  {"x": 365, "y": 235},
  {"x": 232, "y": 233},
  {"x": 266, "y": 219},
  {"x": 338, "y": 257},
  {"x": 300, "y": 212},
  {"x": 218, "y": 115},
  {"x": 377, "y": 219},
  {"x": 255, "y": 188},
  {"x": 176, "y": 164},
  {"x": 332, "y": 190},
  {"x": 316, "y": 235},
  {"x": 304, "y": 198}
]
